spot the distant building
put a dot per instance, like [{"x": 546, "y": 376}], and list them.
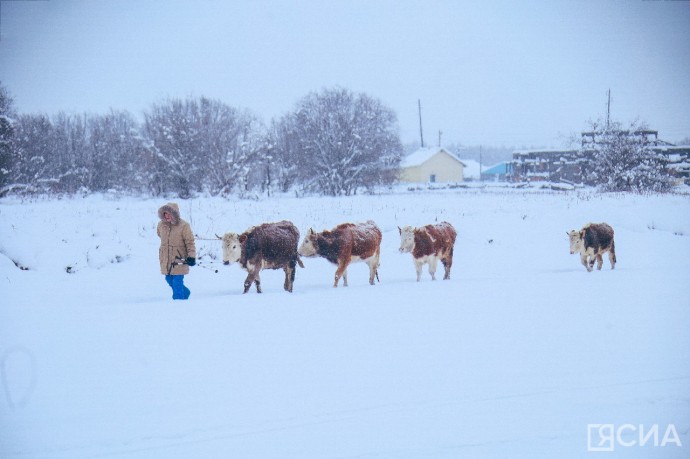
[
  {"x": 548, "y": 166},
  {"x": 430, "y": 165},
  {"x": 498, "y": 172},
  {"x": 575, "y": 166},
  {"x": 677, "y": 162}
]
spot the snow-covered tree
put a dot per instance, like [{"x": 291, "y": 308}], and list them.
[
  {"x": 117, "y": 156},
  {"x": 7, "y": 115},
  {"x": 623, "y": 158},
  {"x": 336, "y": 142},
  {"x": 285, "y": 153},
  {"x": 70, "y": 153},
  {"x": 201, "y": 144}
]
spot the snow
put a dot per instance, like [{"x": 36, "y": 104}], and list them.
[
  {"x": 512, "y": 357},
  {"x": 422, "y": 155},
  {"x": 471, "y": 169}
]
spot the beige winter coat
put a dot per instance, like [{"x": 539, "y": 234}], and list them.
[{"x": 177, "y": 240}]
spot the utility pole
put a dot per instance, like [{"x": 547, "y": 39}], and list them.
[
  {"x": 608, "y": 109},
  {"x": 480, "y": 163},
  {"x": 440, "y": 132},
  {"x": 421, "y": 133}
]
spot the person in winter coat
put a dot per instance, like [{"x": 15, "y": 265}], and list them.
[{"x": 177, "y": 251}]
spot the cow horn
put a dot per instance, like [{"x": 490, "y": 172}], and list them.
[{"x": 219, "y": 237}]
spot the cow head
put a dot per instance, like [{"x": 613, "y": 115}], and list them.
[
  {"x": 308, "y": 247},
  {"x": 406, "y": 239},
  {"x": 232, "y": 248},
  {"x": 576, "y": 241}
]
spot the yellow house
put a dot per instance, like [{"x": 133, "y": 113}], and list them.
[{"x": 431, "y": 165}]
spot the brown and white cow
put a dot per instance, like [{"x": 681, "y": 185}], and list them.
[
  {"x": 345, "y": 244},
  {"x": 428, "y": 244},
  {"x": 267, "y": 246},
  {"x": 591, "y": 242}
]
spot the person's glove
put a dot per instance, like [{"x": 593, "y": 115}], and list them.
[{"x": 191, "y": 261}]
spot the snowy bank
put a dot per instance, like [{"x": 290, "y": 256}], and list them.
[{"x": 515, "y": 356}]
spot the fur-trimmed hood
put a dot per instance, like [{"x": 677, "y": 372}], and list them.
[{"x": 171, "y": 208}]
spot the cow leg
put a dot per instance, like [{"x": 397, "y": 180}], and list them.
[
  {"x": 252, "y": 277},
  {"x": 585, "y": 263},
  {"x": 338, "y": 276},
  {"x": 447, "y": 263},
  {"x": 293, "y": 271},
  {"x": 373, "y": 263},
  {"x": 248, "y": 282},
  {"x": 289, "y": 277},
  {"x": 600, "y": 261},
  {"x": 341, "y": 272},
  {"x": 433, "y": 263},
  {"x": 257, "y": 281},
  {"x": 418, "y": 266}
]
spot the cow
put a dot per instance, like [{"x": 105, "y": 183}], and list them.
[
  {"x": 428, "y": 244},
  {"x": 591, "y": 242},
  {"x": 344, "y": 244},
  {"x": 267, "y": 246}
]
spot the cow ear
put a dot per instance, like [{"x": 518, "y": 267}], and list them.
[
  {"x": 242, "y": 238},
  {"x": 582, "y": 234}
]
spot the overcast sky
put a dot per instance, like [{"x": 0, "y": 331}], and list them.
[{"x": 512, "y": 73}]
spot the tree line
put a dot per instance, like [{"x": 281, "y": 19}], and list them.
[{"x": 334, "y": 142}]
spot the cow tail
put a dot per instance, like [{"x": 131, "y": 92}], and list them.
[
  {"x": 613, "y": 251},
  {"x": 299, "y": 261}
]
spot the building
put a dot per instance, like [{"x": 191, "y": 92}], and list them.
[
  {"x": 498, "y": 172},
  {"x": 548, "y": 166},
  {"x": 677, "y": 162},
  {"x": 430, "y": 165},
  {"x": 575, "y": 166}
]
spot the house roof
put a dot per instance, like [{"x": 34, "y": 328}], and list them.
[
  {"x": 545, "y": 151},
  {"x": 422, "y": 155},
  {"x": 500, "y": 168}
]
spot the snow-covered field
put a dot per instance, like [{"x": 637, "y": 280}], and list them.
[{"x": 515, "y": 356}]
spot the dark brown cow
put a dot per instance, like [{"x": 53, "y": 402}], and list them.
[
  {"x": 429, "y": 244},
  {"x": 267, "y": 246},
  {"x": 344, "y": 244},
  {"x": 591, "y": 242}
]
